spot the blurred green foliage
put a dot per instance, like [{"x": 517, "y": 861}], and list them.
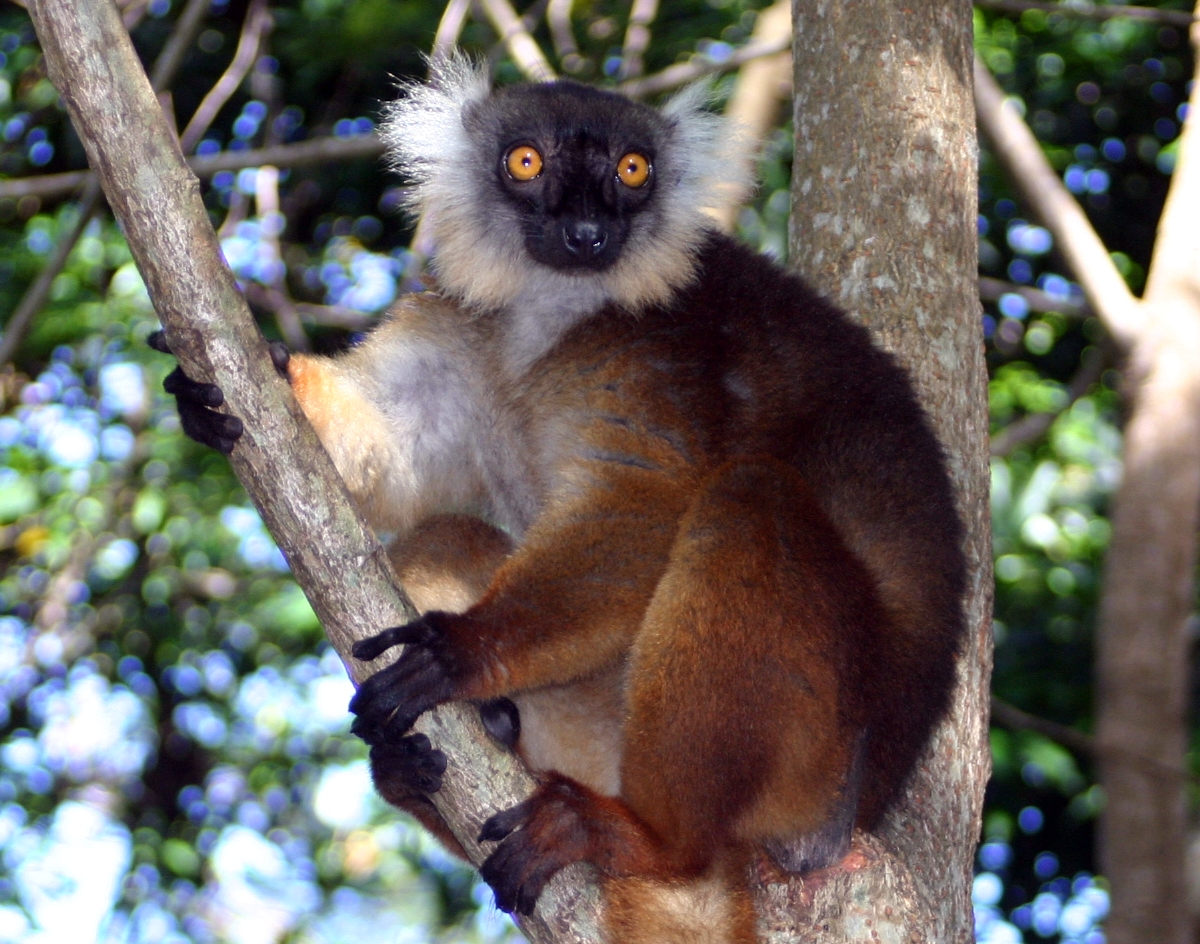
[
  {"x": 1106, "y": 100},
  {"x": 174, "y": 758}
]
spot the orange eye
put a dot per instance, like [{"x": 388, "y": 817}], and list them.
[
  {"x": 523, "y": 163},
  {"x": 633, "y": 169}
]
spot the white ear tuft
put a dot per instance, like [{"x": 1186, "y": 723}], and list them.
[
  {"x": 423, "y": 130},
  {"x": 711, "y": 166}
]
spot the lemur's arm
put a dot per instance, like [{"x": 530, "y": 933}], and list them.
[{"x": 397, "y": 413}]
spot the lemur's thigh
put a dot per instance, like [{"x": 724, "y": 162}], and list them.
[
  {"x": 740, "y": 724},
  {"x": 447, "y": 562}
]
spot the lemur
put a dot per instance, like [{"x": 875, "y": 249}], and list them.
[{"x": 693, "y": 522}]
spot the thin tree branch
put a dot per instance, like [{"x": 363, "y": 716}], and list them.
[
  {"x": 761, "y": 87},
  {"x": 637, "y": 37},
  {"x": 1152, "y": 14},
  {"x": 133, "y": 13},
  {"x": 558, "y": 15},
  {"x": 990, "y": 290},
  {"x": 287, "y": 318},
  {"x": 333, "y": 555},
  {"x": 450, "y": 28},
  {"x": 17, "y": 325},
  {"x": 1048, "y": 198},
  {"x": 1009, "y": 716},
  {"x": 1033, "y": 426},
  {"x": 301, "y": 154},
  {"x": 516, "y": 38},
  {"x": 166, "y": 66},
  {"x": 699, "y": 66},
  {"x": 333, "y": 316},
  {"x": 257, "y": 22}
]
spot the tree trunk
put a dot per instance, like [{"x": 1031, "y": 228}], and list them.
[
  {"x": 1142, "y": 658},
  {"x": 883, "y": 222}
]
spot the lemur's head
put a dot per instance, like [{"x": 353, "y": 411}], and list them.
[{"x": 558, "y": 188}]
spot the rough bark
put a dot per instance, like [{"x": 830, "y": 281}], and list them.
[
  {"x": 883, "y": 222},
  {"x": 1142, "y": 660},
  {"x": 335, "y": 557}
]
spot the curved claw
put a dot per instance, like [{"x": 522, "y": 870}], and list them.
[{"x": 280, "y": 356}]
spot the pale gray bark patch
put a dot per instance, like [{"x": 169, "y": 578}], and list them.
[{"x": 883, "y": 222}]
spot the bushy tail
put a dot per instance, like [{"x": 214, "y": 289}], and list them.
[{"x": 707, "y": 910}]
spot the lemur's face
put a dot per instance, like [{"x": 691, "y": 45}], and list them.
[
  {"x": 576, "y": 166},
  {"x": 559, "y": 191}
]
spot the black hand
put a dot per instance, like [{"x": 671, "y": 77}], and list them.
[
  {"x": 393, "y": 698},
  {"x": 538, "y": 837},
  {"x": 406, "y": 766},
  {"x": 196, "y": 401}
]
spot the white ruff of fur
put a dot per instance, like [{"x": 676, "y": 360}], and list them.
[{"x": 479, "y": 254}]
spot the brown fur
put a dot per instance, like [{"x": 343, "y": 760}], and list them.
[{"x": 733, "y": 537}]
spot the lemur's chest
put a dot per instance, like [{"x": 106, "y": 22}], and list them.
[{"x": 609, "y": 403}]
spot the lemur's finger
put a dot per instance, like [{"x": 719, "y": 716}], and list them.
[
  {"x": 219, "y": 431},
  {"x": 280, "y": 356},
  {"x": 186, "y": 390},
  {"x": 158, "y": 341}
]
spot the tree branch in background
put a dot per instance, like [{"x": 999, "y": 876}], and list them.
[
  {"x": 266, "y": 199},
  {"x": 1033, "y": 426},
  {"x": 257, "y": 22},
  {"x": 762, "y": 86},
  {"x": 637, "y": 38},
  {"x": 1048, "y": 199},
  {"x": 520, "y": 45},
  {"x": 699, "y": 66},
  {"x": 450, "y": 27},
  {"x": 990, "y": 290},
  {"x": 301, "y": 154},
  {"x": 336, "y": 559},
  {"x": 1090, "y": 12},
  {"x": 17, "y": 325},
  {"x": 166, "y": 66},
  {"x": 558, "y": 16},
  {"x": 1009, "y": 716},
  {"x": 165, "y": 69}
]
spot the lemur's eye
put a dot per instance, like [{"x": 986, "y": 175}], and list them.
[
  {"x": 523, "y": 163},
  {"x": 633, "y": 170}
]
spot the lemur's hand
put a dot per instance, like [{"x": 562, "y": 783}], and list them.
[
  {"x": 197, "y": 401},
  {"x": 422, "y": 678}
]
